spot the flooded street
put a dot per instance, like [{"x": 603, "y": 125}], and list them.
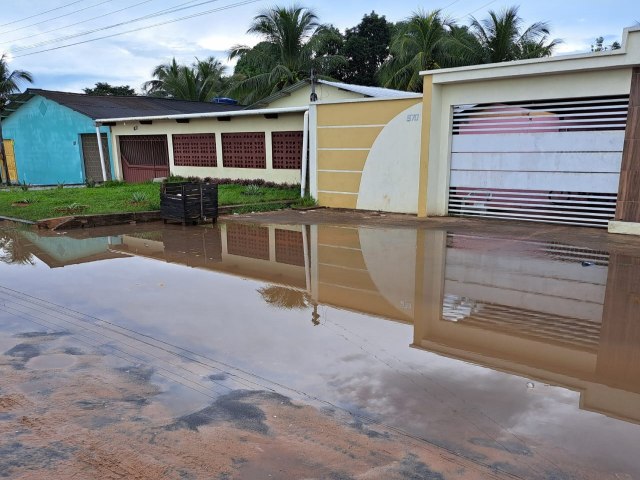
[{"x": 250, "y": 351}]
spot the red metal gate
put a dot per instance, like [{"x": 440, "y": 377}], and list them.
[{"x": 144, "y": 157}]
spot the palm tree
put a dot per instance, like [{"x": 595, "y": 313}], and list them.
[
  {"x": 503, "y": 37},
  {"x": 422, "y": 42},
  {"x": 13, "y": 248},
  {"x": 201, "y": 82},
  {"x": 291, "y": 36},
  {"x": 10, "y": 82},
  {"x": 285, "y": 298}
]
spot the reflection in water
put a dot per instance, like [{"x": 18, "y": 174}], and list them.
[
  {"x": 283, "y": 297},
  {"x": 553, "y": 313},
  {"x": 13, "y": 248}
]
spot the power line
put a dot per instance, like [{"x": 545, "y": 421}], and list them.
[
  {"x": 226, "y": 7},
  {"x": 77, "y": 23},
  {"x": 55, "y": 18},
  {"x": 451, "y": 4},
  {"x": 480, "y": 8},
  {"x": 41, "y": 13},
  {"x": 174, "y": 9}
]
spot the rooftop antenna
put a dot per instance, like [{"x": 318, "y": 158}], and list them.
[{"x": 314, "y": 96}]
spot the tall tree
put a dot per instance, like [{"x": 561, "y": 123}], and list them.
[
  {"x": 422, "y": 42},
  {"x": 599, "y": 45},
  {"x": 504, "y": 37},
  {"x": 366, "y": 47},
  {"x": 10, "y": 82},
  {"x": 202, "y": 81},
  {"x": 293, "y": 35},
  {"x": 105, "y": 89}
]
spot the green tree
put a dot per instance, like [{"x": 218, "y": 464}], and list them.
[
  {"x": 259, "y": 59},
  {"x": 105, "y": 89},
  {"x": 599, "y": 45},
  {"x": 422, "y": 42},
  {"x": 504, "y": 37},
  {"x": 10, "y": 82},
  {"x": 202, "y": 81},
  {"x": 292, "y": 36},
  {"x": 366, "y": 47}
]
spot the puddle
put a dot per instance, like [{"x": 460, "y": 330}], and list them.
[
  {"x": 51, "y": 362},
  {"x": 516, "y": 357}
]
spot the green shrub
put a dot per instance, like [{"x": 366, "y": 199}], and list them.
[
  {"x": 138, "y": 197},
  {"x": 252, "y": 190}
]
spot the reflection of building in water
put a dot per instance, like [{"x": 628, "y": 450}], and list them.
[
  {"x": 556, "y": 313},
  {"x": 538, "y": 310},
  {"x": 271, "y": 254},
  {"x": 61, "y": 251},
  {"x": 364, "y": 269}
]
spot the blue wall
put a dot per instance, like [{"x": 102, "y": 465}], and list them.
[{"x": 47, "y": 144}]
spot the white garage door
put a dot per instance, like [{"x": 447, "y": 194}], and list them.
[{"x": 555, "y": 161}]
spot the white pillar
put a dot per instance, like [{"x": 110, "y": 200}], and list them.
[
  {"x": 305, "y": 153},
  {"x": 102, "y": 161}
]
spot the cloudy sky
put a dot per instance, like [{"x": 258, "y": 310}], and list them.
[{"x": 31, "y": 33}]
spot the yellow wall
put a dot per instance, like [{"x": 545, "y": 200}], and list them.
[
  {"x": 346, "y": 133},
  {"x": 11, "y": 161},
  {"x": 257, "y": 123}
]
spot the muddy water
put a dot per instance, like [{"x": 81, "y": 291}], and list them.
[{"x": 248, "y": 351}]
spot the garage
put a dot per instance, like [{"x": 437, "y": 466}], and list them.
[
  {"x": 553, "y": 161},
  {"x": 144, "y": 157}
]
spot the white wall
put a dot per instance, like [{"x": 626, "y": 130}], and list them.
[
  {"x": 467, "y": 91},
  {"x": 257, "y": 123}
]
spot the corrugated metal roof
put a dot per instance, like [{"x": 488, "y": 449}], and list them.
[
  {"x": 373, "y": 92},
  {"x": 94, "y": 106}
]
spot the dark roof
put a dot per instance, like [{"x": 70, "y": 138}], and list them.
[{"x": 94, "y": 106}]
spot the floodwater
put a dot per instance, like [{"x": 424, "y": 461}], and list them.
[{"x": 333, "y": 352}]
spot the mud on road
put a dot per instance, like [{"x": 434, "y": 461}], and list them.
[{"x": 81, "y": 418}]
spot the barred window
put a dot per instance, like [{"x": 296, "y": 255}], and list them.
[
  {"x": 244, "y": 150},
  {"x": 194, "y": 150},
  {"x": 287, "y": 149}
]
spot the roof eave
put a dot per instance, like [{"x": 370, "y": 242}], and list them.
[{"x": 185, "y": 116}]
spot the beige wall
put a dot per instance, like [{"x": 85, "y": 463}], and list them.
[
  {"x": 326, "y": 93},
  {"x": 365, "y": 154},
  {"x": 257, "y": 123}
]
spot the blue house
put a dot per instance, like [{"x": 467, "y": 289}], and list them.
[{"x": 53, "y": 134}]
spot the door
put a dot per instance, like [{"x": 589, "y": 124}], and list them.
[
  {"x": 553, "y": 161},
  {"x": 144, "y": 157},
  {"x": 11, "y": 160},
  {"x": 91, "y": 156}
]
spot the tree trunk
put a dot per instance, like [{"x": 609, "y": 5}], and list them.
[{"x": 3, "y": 157}]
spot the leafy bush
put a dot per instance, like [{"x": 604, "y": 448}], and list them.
[
  {"x": 138, "y": 197},
  {"x": 306, "y": 201},
  {"x": 252, "y": 190}
]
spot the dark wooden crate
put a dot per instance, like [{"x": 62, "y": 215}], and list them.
[{"x": 189, "y": 202}]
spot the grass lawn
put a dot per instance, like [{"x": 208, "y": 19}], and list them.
[{"x": 137, "y": 197}]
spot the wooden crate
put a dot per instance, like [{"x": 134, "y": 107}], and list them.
[{"x": 189, "y": 202}]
